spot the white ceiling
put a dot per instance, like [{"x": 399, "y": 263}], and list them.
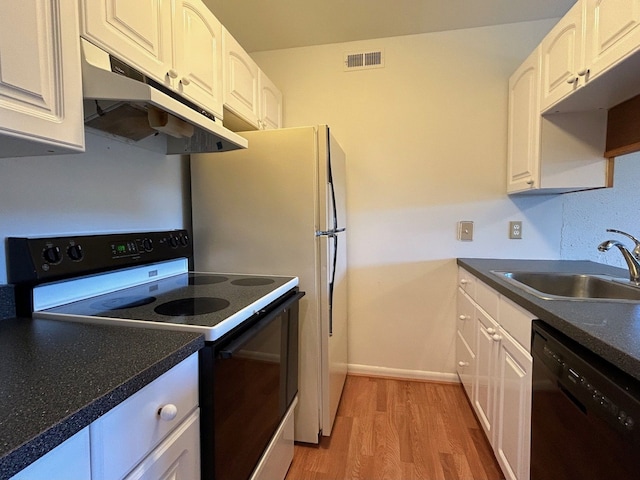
[{"x": 275, "y": 24}]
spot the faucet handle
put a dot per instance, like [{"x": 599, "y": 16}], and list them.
[{"x": 636, "y": 249}]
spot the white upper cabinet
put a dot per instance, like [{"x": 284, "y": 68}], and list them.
[
  {"x": 270, "y": 103},
  {"x": 562, "y": 53},
  {"x": 241, "y": 94},
  {"x": 40, "y": 79},
  {"x": 596, "y": 39},
  {"x": 523, "y": 134},
  {"x": 613, "y": 32},
  {"x": 556, "y": 153},
  {"x": 177, "y": 43},
  {"x": 138, "y": 33},
  {"x": 198, "y": 62},
  {"x": 251, "y": 98}
]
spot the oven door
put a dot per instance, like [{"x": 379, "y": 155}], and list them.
[{"x": 254, "y": 382}]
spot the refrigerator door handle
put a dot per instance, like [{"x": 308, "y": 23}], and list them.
[
  {"x": 329, "y": 233},
  {"x": 333, "y": 279},
  {"x": 333, "y": 233}
]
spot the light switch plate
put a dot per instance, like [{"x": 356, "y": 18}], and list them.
[{"x": 465, "y": 231}]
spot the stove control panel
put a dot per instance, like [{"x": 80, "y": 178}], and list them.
[{"x": 38, "y": 260}]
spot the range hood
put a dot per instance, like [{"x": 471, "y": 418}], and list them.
[{"x": 123, "y": 102}]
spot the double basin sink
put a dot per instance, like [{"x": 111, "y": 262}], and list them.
[{"x": 571, "y": 286}]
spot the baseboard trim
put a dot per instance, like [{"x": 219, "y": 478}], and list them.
[{"x": 402, "y": 374}]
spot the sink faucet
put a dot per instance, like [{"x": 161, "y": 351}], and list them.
[
  {"x": 632, "y": 263},
  {"x": 636, "y": 248}
]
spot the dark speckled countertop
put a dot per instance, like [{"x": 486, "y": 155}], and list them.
[
  {"x": 610, "y": 329},
  {"x": 58, "y": 377}
]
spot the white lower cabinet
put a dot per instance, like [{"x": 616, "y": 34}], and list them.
[
  {"x": 176, "y": 458},
  {"x": 512, "y": 434},
  {"x": 486, "y": 359},
  {"x": 465, "y": 365},
  {"x": 154, "y": 434},
  {"x": 497, "y": 372},
  {"x": 69, "y": 460},
  {"x": 125, "y": 435}
]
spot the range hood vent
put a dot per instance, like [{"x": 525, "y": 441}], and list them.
[{"x": 121, "y": 101}]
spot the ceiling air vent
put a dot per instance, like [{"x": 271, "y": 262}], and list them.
[{"x": 363, "y": 60}]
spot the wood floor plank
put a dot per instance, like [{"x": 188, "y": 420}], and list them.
[{"x": 389, "y": 429}]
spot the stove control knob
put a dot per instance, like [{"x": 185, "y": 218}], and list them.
[
  {"x": 75, "y": 252},
  {"x": 147, "y": 244},
  {"x": 168, "y": 412},
  {"x": 173, "y": 242},
  {"x": 52, "y": 255},
  {"x": 184, "y": 240}
]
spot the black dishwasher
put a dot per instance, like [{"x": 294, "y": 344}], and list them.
[{"x": 585, "y": 413}]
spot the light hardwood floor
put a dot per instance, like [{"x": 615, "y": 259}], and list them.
[{"x": 399, "y": 430}]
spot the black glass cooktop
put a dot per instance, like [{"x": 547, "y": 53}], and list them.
[{"x": 202, "y": 299}]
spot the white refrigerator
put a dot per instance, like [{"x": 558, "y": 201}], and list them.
[{"x": 278, "y": 208}]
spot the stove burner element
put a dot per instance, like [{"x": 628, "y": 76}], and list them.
[
  {"x": 121, "y": 303},
  {"x": 191, "y": 306},
  {"x": 252, "y": 281},
  {"x": 195, "y": 279}
]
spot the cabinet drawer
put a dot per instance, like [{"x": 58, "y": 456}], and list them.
[
  {"x": 467, "y": 282},
  {"x": 517, "y": 321},
  {"x": 465, "y": 364},
  {"x": 122, "y": 437},
  {"x": 465, "y": 321},
  {"x": 487, "y": 298}
]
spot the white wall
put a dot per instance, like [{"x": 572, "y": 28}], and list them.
[
  {"x": 587, "y": 215},
  {"x": 425, "y": 138},
  {"x": 111, "y": 187}
]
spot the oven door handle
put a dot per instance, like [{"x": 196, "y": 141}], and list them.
[{"x": 232, "y": 348}]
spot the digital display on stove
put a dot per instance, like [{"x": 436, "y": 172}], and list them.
[{"x": 125, "y": 248}]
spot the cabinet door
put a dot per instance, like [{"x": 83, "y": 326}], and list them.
[
  {"x": 198, "y": 62},
  {"x": 613, "y": 32},
  {"x": 138, "y": 33},
  {"x": 563, "y": 57},
  {"x": 177, "y": 458},
  {"x": 70, "y": 460},
  {"x": 241, "y": 94},
  {"x": 486, "y": 358},
  {"x": 465, "y": 322},
  {"x": 270, "y": 103},
  {"x": 40, "y": 79},
  {"x": 523, "y": 135},
  {"x": 513, "y": 408}
]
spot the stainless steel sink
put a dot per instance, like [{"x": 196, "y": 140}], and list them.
[{"x": 569, "y": 286}]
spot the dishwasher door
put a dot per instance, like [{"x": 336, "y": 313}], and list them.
[{"x": 585, "y": 413}]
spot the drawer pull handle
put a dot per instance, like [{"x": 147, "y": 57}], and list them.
[
  {"x": 491, "y": 331},
  {"x": 168, "y": 412},
  {"x": 463, "y": 317},
  {"x": 463, "y": 364},
  {"x": 464, "y": 281},
  {"x": 497, "y": 338}
]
